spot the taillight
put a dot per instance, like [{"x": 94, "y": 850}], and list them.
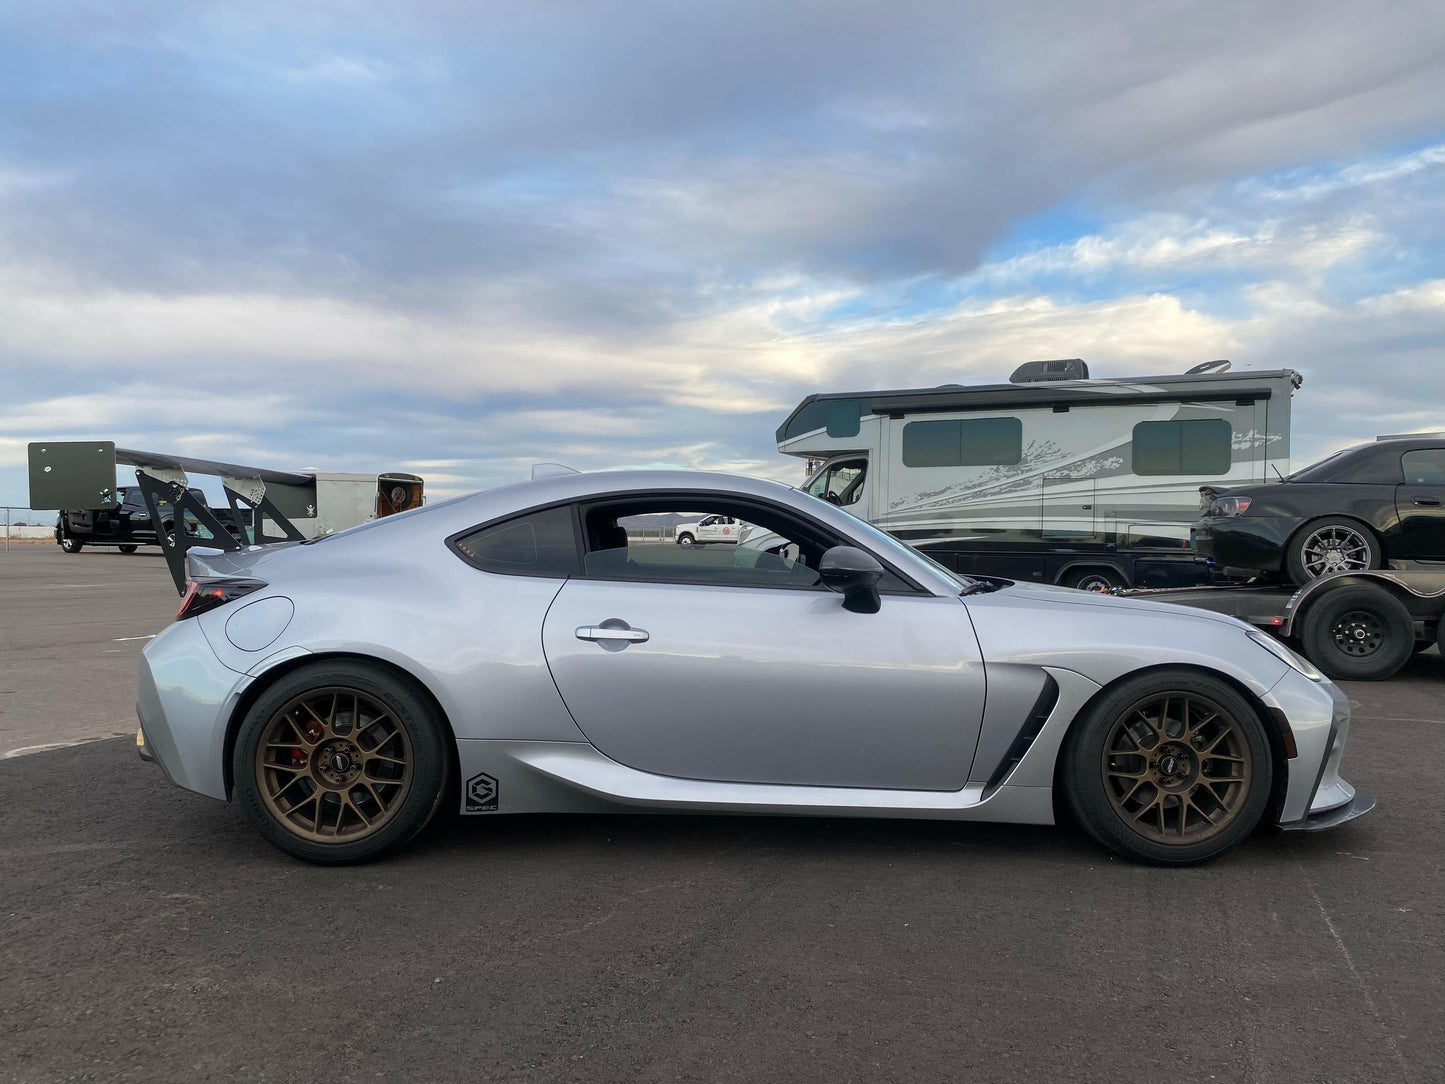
[
  {"x": 1229, "y": 506},
  {"x": 206, "y": 595}
]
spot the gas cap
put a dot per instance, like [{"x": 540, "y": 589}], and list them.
[{"x": 257, "y": 625}]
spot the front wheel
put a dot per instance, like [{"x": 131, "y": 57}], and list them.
[
  {"x": 1171, "y": 767},
  {"x": 127, "y": 549},
  {"x": 1358, "y": 633},
  {"x": 685, "y": 540},
  {"x": 340, "y": 762},
  {"x": 71, "y": 545}
]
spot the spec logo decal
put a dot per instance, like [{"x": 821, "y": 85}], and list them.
[{"x": 481, "y": 794}]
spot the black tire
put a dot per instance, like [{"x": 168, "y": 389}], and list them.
[
  {"x": 1089, "y": 768},
  {"x": 128, "y": 549},
  {"x": 685, "y": 540},
  {"x": 1359, "y": 632},
  {"x": 1359, "y": 549},
  {"x": 1092, "y": 579},
  {"x": 71, "y": 545},
  {"x": 429, "y": 747}
]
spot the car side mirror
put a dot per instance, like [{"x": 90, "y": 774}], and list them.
[{"x": 854, "y": 575}]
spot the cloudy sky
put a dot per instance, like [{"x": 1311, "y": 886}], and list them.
[{"x": 461, "y": 238}]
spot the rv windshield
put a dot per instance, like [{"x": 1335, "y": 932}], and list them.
[{"x": 891, "y": 546}]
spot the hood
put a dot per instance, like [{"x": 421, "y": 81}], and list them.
[{"x": 1074, "y": 597}]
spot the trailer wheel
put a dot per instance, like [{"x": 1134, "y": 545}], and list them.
[{"x": 1358, "y": 633}]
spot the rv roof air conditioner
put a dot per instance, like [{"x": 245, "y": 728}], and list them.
[{"x": 1035, "y": 372}]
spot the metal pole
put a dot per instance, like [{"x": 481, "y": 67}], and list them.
[{"x": 7, "y": 528}]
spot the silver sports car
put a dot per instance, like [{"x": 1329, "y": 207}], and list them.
[{"x": 520, "y": 650}]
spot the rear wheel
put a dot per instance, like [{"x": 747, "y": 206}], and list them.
[
  {"x": 1171, "y": 767},
  {"x": 128, "y": 549},
  {"x": 1358, "y": 633},
  {"x": 1330, "y": 545},
  {"x": 340, "y": 762}
]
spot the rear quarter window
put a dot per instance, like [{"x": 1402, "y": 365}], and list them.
[{"x": 540, "y": 543}]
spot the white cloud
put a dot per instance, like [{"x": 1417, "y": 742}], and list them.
[{"x": 1306, "y": 186}]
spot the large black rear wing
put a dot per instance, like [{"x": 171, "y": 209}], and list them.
[{"x": 263, "y": 503}]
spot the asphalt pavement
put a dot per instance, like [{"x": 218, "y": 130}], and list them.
[{"x": 147, "y": 933}]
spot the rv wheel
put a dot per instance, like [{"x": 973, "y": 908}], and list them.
[{"x": 1093, "y": 579}]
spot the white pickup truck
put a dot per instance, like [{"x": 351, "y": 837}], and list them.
[{"x": 708, "y": 529}]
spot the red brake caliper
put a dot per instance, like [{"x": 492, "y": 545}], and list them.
[{"x": 313, "y": 735}]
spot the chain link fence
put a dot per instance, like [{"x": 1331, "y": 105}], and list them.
[{"x": 27, "y": 524}]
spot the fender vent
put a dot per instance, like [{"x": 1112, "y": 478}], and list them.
[{"x": 1043, "y": 708}]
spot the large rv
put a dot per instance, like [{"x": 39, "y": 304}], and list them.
[{"x": 1052, "y": 477}]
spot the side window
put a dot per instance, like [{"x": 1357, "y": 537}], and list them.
[
  {"x": 537, "y": 544},
  {"x": 963, "y": 442},
  {"x": 841, "y": 483},
  {"x": 1193, "y": 446},
  {"x": 1424, "y": 467}
]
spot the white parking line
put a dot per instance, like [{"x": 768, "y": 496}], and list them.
[
  {"x": 26, "y": 750},
  {"x": 123, "y": 639}
]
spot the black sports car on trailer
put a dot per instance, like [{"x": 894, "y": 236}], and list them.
[{"x": 1373, "y": 506}]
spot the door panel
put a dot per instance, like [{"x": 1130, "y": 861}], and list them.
[
  {"x": 765, "y": 685},
  {"x": 1421, "y": 533}
]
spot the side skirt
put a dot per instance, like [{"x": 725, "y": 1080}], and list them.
[{"x": 502, "y": 776}]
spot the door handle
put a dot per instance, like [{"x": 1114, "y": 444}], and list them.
[
  {"x": 1427, "y": 502},
  {"x": 604, "y": 633}
]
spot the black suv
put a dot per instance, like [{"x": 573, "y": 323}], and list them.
[
  {"x": 127, "y": 525},
  {"x": 1366, "y": 507}
]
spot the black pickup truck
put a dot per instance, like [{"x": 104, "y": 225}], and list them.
[{"x": 127, "y": 525}]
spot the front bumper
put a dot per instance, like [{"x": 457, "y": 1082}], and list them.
[
  {"x": 1319, "y": 718},
  {"x": 1358, "y": 806}
]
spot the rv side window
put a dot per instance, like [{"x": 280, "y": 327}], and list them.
[
  {"x": 963, "y": 442},
  {"x": 1195, "y": 446}
]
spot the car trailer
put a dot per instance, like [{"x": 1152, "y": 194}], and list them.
[{"x": 1355, "y": 626}]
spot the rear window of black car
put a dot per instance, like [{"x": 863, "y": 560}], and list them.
[{"x": 540, "y": 543}]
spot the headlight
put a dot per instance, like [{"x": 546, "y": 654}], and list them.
[
  {"x": 1285, "y": 655},
  {"x": 1229, "y": 506}
]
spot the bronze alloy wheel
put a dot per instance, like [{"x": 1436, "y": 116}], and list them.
[
  {"x": 1177, "y": 767},
  {"x": 333, "y": 765}
]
